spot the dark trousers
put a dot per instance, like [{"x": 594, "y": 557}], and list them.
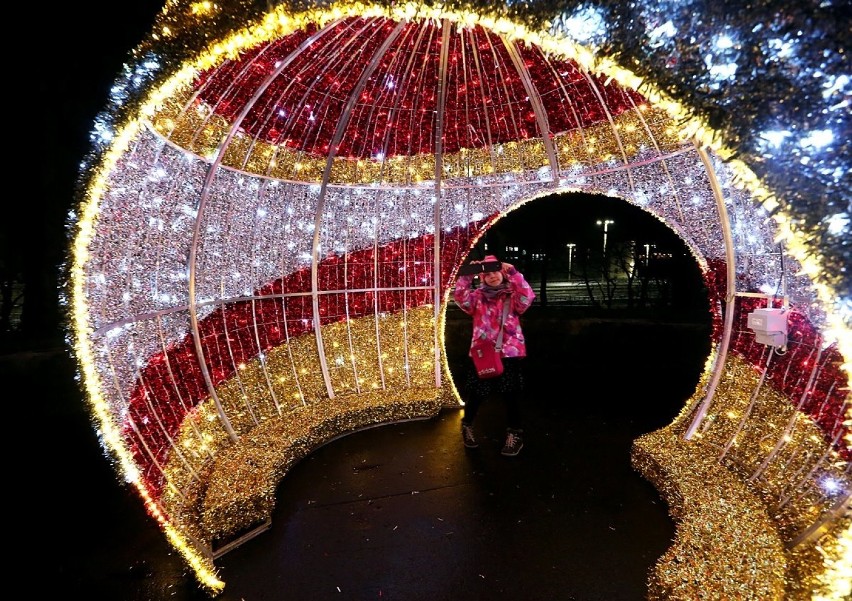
[{"x": 509, "y": 385}]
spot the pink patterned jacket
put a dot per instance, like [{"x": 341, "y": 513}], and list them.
[{"x": 487, "y": 313}]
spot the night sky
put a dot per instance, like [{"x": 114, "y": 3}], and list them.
[
  {"x": 88, "y": 44},
  {"x": 68, "y": 69}
]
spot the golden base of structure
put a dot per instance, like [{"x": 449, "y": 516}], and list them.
[
  {"x": 236, "y": 497},
  {"x": 726, "y": 545}
]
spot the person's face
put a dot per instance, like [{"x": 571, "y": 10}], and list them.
[{"x": 493, "y": 278}]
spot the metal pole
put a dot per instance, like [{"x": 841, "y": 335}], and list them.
[
  {"x": 570, "y": 246},
  {"x": 605, "y": 223}
]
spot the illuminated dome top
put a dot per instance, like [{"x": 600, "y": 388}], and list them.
[
  {"x": 731, "y": 69},
  {"x": 378, "y": 78}
]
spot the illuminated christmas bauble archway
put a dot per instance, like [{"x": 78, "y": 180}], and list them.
[{"x": 269, "y": 233}]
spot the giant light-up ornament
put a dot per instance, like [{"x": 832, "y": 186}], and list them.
[{"x": 278, "y": 200}]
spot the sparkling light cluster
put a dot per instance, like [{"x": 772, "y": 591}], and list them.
[
  {"x": 486, "y": 101},
  {"x": 808, "y": 372},
  {"x": 766, "y": 441},
  {"x": 254, "y": 387},
  {"x": 172, "y": 378},
  {"x": 279, "y": 212},
  {"x": 138, "y": 265},
  {"x": 795, "y": 480}
]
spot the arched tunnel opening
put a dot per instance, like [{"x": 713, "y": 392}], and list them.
[
  {"x": 598, "y": 377},
  {"x": 637, "y": 333}
]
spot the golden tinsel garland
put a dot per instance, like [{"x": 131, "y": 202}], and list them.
[
  {"x": 194, "y": 127},
  {"x": 238, "y": 493},
  {"x": 757, "y": 433},
  {"x": 726, "y": 546},
  {"x": 279, "y": 408}
]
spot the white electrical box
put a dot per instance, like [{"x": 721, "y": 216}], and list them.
[{"x": 769, "y": 326}]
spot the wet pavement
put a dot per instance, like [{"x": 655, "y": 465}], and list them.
[{"x": 401, "y": 511}]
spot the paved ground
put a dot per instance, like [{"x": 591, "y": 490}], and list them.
[{"x": 397, "y": 512}]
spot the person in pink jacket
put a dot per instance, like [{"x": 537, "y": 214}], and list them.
[{"x": 485, "y": 305}]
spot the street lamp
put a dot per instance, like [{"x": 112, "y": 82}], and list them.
[
  {"x": 570, "y": 246},
  {"x": 648, "y": 248},
  {"x": 605, "y": 223}
]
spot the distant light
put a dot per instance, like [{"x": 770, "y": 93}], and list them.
[
  {"x": 840, "y": 82},
  {"x": 724, "y": 71},
  {"x": 585, "y": 24},
  {"x": 667, "y": 30},
  {"x": 818, "y": 138},
  {"x": 776, "y": 136},
  {"x": 838, "y": 223},
  {"x": 724, "y": 41},
  {"x": 782, "y": 48}
]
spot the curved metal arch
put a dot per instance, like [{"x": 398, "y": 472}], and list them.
[
  {"x": 196, "y": 235},
  {"x": 730, "y": 297},
  {"x": 332, "y": 152}
]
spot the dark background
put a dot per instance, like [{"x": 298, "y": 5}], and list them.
[{"x": 75, "y": 53}]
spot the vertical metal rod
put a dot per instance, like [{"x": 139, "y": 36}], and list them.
[
  {"x": 605, "y": 107},
  {"x": 202, "y": 204},
  {"x": 538, "y": 108},
  {"x": 782, "y": 439},
  {"x": 439, "y": 168},
  {"x": 810, "y": 475},
  {"x": 751, "y": 403},
  {"x": 818, "y": 528},
  {"x": 262, "y": 360},
  {"x": 730, "y": 296}
]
